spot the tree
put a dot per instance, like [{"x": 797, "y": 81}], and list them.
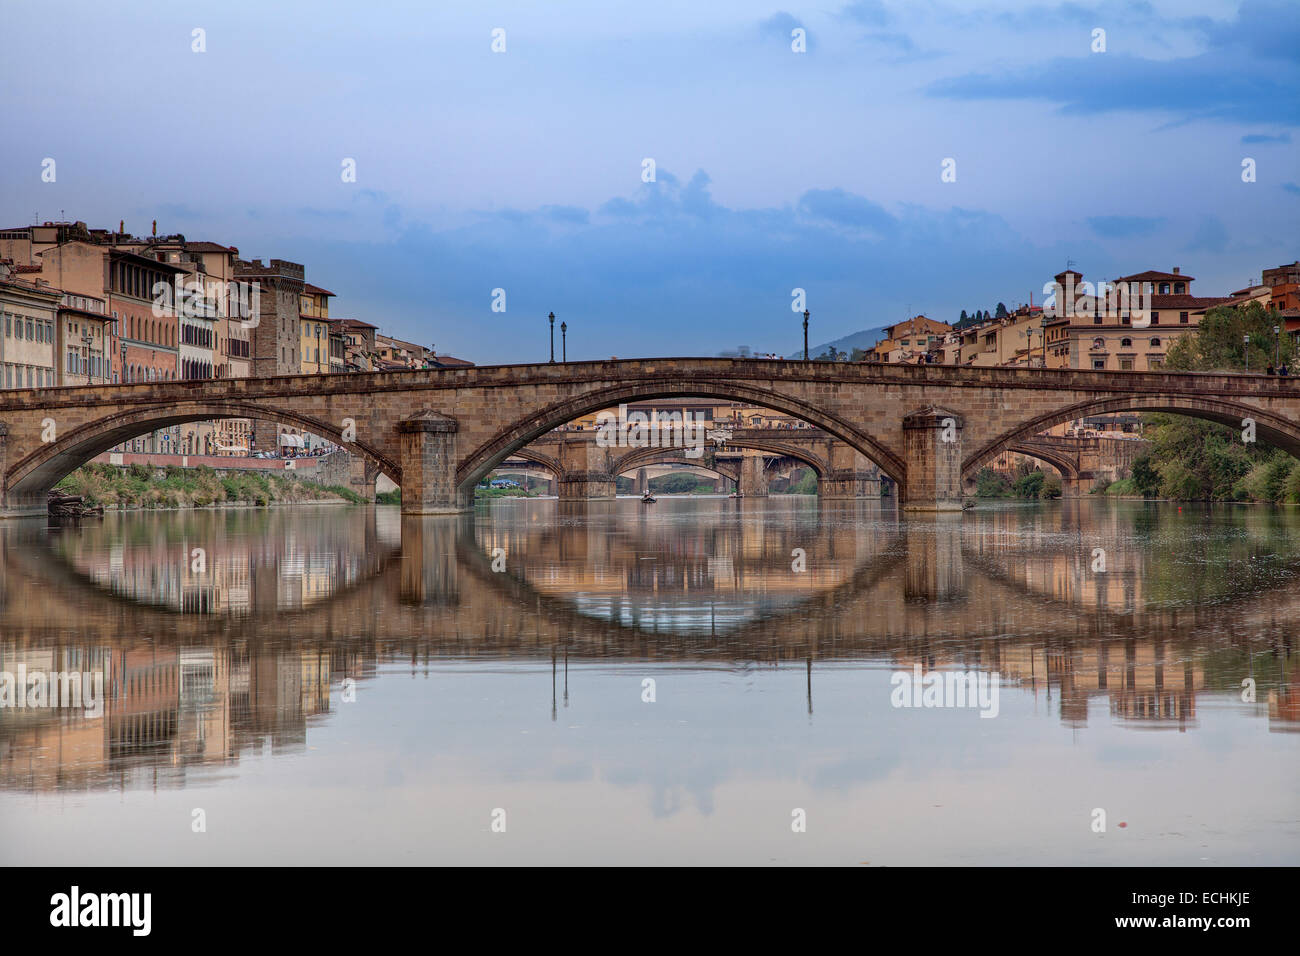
[
  {"x": 962, "y": 321},
  {"x": 1001, "y": 311},
  {"x": 1218, "y": 343},
  {"x": 1144, "y": 476}
]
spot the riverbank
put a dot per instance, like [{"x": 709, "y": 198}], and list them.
[{"x": 139, "y": 487}]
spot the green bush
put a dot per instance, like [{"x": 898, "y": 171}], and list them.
[
  {"x": 990, "y": 484},
  {"x": 1028, "y": 486}
]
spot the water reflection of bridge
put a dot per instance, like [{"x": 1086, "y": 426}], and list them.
[{"x": 1013, "y": 593}]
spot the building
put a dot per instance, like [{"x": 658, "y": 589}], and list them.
[
  {"x": 275, "y": 333},
  {"x": 30, "y": 313},
  {"x": 1088, "y": 331},
  {"x": 394, "y": 354},
  {"x": 314, "y": 330},
  {"x": 359, "y": 352},
  {"x": 276, "y": 338},
  {"x": 911, "y": 340},
  {"x": 84, "y": 341}
]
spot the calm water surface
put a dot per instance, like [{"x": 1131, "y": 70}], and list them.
[{"x": 343, "y": 685}]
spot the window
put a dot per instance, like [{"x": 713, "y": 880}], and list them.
[
  {"x": 1126, "y": 343},
  {"x": 1099, "y": 364},
  {"x": 1096, "y": 320},
  {"x": 1155, "y": 343},
  {"x": 1155, "y": 318},
  {"x": 1182, "y": 317},
  {"x": 1126, "y": 365},
  {"x": 1099, "y": 343}
]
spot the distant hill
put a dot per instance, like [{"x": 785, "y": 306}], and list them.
[{"x": 856, "y": 340}]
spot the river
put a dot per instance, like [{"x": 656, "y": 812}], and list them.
[{"x": 700, "y": 680}]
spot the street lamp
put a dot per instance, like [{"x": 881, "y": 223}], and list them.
[
  {"x": 564, "y": 346},
  {"x": 1246, "y": 339},
  {"x": 552, "y": 318},
  {"x": 806, "y": 357},
  {"x": 1277, "y": 345}
]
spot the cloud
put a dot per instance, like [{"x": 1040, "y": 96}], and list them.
[
  {"x": 780, "y": 25},
  {"x": 1210, "y": 236},
  {"x": 1247, "y": 75},
  {"x": 667, "y": 269},
  {"x": 871, "y": 12},
  {"x": 1253, "y": 138},
  {"x": 1124, "y": 227},
  {"x": 842, "y": 208}
]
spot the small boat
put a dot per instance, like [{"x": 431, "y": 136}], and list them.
[
  {"x": 648, "y": 499},
  {"x": 736, "y": 494}
]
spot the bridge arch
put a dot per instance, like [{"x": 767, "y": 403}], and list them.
[
  {"x": 1272, "y": 429},
  {"x": 513, "y": 437},
  {"x": 32, "y": 476},
  {"x": 645, "y": 458},
  {"x": 544, "y": 461}
]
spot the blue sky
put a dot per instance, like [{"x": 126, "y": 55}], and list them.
[{"x": 775, "y": 170}]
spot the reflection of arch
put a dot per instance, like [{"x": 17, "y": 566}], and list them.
[
  {"x": 479, "y": 462},
  {"x": 1271, "y": 429},
  {"x": 44, "y": 467}
]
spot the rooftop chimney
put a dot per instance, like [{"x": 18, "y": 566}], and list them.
[{"x": 1175, "y": 270}]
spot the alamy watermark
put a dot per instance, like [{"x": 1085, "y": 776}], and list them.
[
  {"x": 65, "y": 689},
  {"x": 1106, "y": 299},
  {"x": 946, "y": 689},
  {"x": 191, "y": 299},
  {"x": 684, "y": 429}
]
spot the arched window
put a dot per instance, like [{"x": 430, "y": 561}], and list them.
[
  {"x": 1155, "y": 343},
  {"x": 1099, "y": 343},
  {"x": 1126, "y": 343}
]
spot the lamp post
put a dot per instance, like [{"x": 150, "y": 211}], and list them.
[
  {"x": 806, "y": 356},
  {"x": 1246, "y": 340},
  {"x": 564, "y": 346},
  {"x": 552, "y": 318},
  {"x": 1277, "y": 345}
]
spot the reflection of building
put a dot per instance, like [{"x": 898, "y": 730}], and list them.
[{"x": 1146, "y": 683}]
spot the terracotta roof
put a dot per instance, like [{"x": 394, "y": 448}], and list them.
[
  {"x": 315, "y": 290},
  {"x": 357, "y": 323},
  {"x": 448, "y": 360},
  {"x": 209, "y": 247},
  {"x": 25, "y": 286},
  {"x": 1185, "y": 301},
  {"x": 1153, "y": 276}
]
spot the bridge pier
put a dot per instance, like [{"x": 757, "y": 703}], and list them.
[
  {"x": 428, "y": 460},
  {"x": 585, "y": 471},
  {"x": 642, "y": 481},
  {"x": 932, "y": 448},
  {"x": 586, "y": 486},
  {"x": 753, "y": 478},
  {"x": 848, "y": 484}
]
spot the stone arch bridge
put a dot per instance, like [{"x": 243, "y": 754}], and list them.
[{"x": 438, "y": 432}]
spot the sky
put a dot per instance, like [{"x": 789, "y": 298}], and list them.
[{"x": 524, "y": 168}]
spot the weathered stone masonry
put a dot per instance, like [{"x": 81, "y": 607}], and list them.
[{"x": 473, "y": 418}]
